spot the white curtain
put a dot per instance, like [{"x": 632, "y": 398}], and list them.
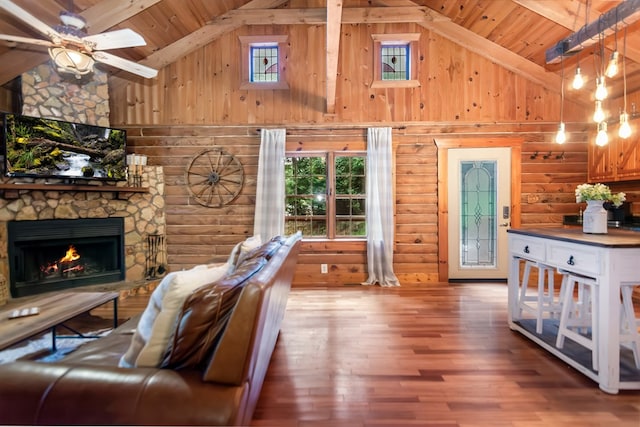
[
  {"x": 379, "y": 208},
  {"x": 269, "y": 217}
]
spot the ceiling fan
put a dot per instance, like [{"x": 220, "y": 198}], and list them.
[{"x": 72, "y": 50}]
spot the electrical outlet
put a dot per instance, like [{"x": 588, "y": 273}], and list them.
[{"x": 324, "y": 269}]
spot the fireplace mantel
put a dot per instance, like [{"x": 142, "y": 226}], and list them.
[{"x": 10, "y": 189}]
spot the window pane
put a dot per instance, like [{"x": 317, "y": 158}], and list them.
[
  {"x": 478, "y": 212},
  {"x": 305, "y": 201},
  {"x": 264, "y": 64},
  {"x": 395, "y": 62}
]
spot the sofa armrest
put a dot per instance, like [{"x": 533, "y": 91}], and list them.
[{"x": 35, "y": 393}]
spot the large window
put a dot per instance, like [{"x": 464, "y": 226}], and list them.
[{"x": 325, "y": 195}]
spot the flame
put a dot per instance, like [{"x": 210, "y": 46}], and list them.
[{"x": 71, "y": 255}]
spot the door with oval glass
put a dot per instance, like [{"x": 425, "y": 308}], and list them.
[{"x": 479, "y": 201}]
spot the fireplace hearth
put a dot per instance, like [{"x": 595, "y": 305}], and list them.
[{"x": 51, "y": 255}]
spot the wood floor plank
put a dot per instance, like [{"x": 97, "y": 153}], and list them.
[{"x": 440, "y": 355}]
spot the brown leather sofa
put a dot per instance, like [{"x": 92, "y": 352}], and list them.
[{"x": 88, "y": 388}]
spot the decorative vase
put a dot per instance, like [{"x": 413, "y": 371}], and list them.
[{"x": 594, "y": 218}]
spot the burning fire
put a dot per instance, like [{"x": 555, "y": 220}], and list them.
[{"x": 71, "y": 255}]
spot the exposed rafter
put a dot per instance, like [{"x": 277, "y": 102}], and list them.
[
  {"x": 626, "y": 13},
  {"x": 334, "y": 22}
]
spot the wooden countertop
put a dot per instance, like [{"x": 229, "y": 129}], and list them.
[{"x": 614, "y": 238}]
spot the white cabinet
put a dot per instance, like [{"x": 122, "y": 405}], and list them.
[{"x": 610, "y": 258}]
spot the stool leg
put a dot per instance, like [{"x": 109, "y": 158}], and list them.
[
  {"x": 523, "y": 286},
  {"x": 629, "y": 324},
  {"x": 567, "y": 307},
  {"x": 595, "y": 336},
  {"x": 542, "y": 272}
]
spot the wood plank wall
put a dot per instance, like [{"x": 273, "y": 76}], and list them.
[
  {"x": 195, "y": 103},
  {"x": 197, "y": 234}
]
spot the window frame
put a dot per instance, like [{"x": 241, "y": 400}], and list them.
[
  {"x": 379, "y": 40},
  {"x": 330, "y": 191},
  {"x": 246, "y": 42}
]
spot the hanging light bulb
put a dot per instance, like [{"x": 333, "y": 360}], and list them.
[
  {"x": 598, "y": 115},
  {"x": 561, "y": 136},
  {"x": 612, "y": 67},
  {"x": 602, "y": 138},
  {"x": 578, "y": 79},
  {"x": 601, "y": 89},
  {"x": 625, "y": 130}
]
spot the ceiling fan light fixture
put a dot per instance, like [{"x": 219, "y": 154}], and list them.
[{"x": 71, "y": 61}]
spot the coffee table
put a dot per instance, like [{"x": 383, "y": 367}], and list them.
[{"x": 53, "y": 310}]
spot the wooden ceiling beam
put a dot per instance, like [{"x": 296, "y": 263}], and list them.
[
  {"x": 625, "y": 13},
  {"x": 559, "y": 13},
  {"x": 334, "y": 24}
]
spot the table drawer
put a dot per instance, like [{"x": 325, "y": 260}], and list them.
[
  {"x": 580, "y": 259},
  {"x": 528, "y": 248}
]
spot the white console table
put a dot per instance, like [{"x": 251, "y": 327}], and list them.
[{"x": 612, "y": 259}]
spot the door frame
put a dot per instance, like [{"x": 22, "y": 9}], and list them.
[{"x": 443, "y": 145}]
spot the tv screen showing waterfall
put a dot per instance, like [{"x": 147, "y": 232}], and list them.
[{"x": 46, "y": 148}]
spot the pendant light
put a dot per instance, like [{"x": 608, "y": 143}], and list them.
[
  {"x": 598, "y": 114},
  {"x": 561, "y": 136},
  {"x": 624, "y": 131},
  {"x": 602, "y": 138},
  {"x": 612, "y": 67}
]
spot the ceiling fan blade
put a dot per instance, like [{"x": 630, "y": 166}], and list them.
[
  {"x": 28, "y": 18},
  {"x": 124, "y": 64},
  {"x": 114, "y": 40},
  {"x": 18, "y": 39}
]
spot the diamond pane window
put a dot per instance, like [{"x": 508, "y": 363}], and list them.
[
  {"x": 264, "y": 63},
  {"x": 395, "y": 62}
]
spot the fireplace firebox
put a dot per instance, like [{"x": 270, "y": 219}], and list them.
[{"x": 51, "y": 255}]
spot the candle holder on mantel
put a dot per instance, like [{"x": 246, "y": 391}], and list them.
[{"x": 135, "y": 167}]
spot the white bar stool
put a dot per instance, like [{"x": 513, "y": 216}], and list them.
[
  {"x": 629, "y": 324},
  {"x": 579, "y": 315},
  {"x": 543, "y": 301}
]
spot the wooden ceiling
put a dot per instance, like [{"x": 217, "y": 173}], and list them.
[{"x": 512, "y": 33}]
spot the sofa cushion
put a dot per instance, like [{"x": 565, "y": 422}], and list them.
[
  {"x": 266, "y": 250},
  {"x": 204, "y": 315},
  {"x": 157, "y": 323}
]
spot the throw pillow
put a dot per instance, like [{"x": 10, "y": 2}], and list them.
[
  {"x": 145, "y": 324},
  {"x": 247, "y": 246},
  {"x": 157, "y": 323},
  {"x": 204, "y": 316}
]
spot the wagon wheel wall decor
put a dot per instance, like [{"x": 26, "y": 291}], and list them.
[{"x": 214, "y": 177}]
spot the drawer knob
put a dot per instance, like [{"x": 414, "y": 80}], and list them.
[
  {"x": 570, "y": 261},
  {"x": 526, "y": 249}
]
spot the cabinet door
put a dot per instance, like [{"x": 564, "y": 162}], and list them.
[
  {"x": 601, "y": 163},
  {"x": 628, "y": 158}
]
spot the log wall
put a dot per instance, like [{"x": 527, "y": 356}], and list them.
[{"x": 196, "y": 103}]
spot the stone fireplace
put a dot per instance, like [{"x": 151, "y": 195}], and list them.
[
  {"x": 59, "y": 254},
  {"x": 141, "y": 214}
]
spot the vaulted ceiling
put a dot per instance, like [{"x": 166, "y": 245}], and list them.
[{"x": 515, "y": 34}]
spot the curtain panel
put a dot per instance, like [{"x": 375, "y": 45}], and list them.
[{"x": 379, "y": 208}]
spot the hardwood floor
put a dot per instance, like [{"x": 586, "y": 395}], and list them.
[{"x": 437, "y": 355}]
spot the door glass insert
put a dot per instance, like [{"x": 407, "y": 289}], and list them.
[{"x": 478, "y": 228}]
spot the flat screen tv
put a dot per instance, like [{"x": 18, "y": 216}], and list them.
[{"x": 46, "y": 148}]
